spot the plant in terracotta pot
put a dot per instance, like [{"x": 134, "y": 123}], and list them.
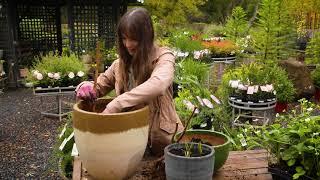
[{"x": 293, "y": 143}]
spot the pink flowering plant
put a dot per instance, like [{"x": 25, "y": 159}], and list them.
[{"x": 57, "y": 71}]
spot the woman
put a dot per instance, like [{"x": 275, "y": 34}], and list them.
[{"x": 142, "y": 75}]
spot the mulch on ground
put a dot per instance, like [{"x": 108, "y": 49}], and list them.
[{"x": 26, "y": 137}]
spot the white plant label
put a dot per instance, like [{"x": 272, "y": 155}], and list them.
[
  {"x": 256, "y": 89},
  {"x": 63, "y": 144},
  {"x": 233, "y": 83},
  {"x": 215, "y": 99},
  {"x": 250, "y": 90},
  {"x": 74, "y": 151},
  {"x": 243, "y": 142},
  {"x": 207, "y": 103},
  {"x": 264, "y": 88},
  {"x": 200, "y": 100},
  {"x": 71, "y": 136},
  {"x": 63, "y": 131},
  {"x": 269, "y": 87}
]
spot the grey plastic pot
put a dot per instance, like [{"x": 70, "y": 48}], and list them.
[{"x": 188, "y": 168}]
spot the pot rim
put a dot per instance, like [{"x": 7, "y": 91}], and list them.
[
  {"x": 167, "y": 151},
  {"x": 228, "y": 141},
  {"x": 76, "y": 108}
]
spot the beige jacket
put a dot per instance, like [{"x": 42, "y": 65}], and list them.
[{"x": 156, "y": 91}]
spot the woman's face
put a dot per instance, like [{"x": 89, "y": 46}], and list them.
[{"x": 130, "y": 44}]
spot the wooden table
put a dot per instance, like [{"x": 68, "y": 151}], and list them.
[{"x": 245, "y": 165}]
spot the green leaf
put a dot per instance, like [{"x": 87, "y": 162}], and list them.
[{"x": 291, "y": 162}]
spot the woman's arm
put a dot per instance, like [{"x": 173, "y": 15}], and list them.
[
  {"x": 106, "y": 80},
  {"x": 160, "y": 79}
]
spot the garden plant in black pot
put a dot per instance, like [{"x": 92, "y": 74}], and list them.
[{"x": 293, "y": 143}]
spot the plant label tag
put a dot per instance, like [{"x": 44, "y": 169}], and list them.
[
  {"x": 74, "y": 151},
  {"x": 215, "y": 99},
  {"x": 63, "y": 130},
  {"x": 256, "y": 88},
  {"x": 269, "y": 87},
  {"x": 63, "y": 144},
  {"x": 200, "y": 100},
  {"x": 207, "y": 103},
  {"x": 71, "y": 136},
  {"x": 264, "y": 88},
  {"x": 243, "y": 142},
  {"x": 233, "y": 83},
  {"x": 250, "y": 90}
]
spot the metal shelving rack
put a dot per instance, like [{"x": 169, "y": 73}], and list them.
[
  {"x": 251, "y": 106},
  {"x": 58, "y": 92}
]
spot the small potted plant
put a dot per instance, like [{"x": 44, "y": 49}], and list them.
[
  {"x": 188, "y": 160},
  {"x": 293, "y": 143}
]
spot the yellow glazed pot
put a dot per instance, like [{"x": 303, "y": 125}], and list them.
[{"x": 110, "y": 146}]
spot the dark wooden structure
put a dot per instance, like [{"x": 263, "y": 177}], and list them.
[
  {"x": 31, "y": 27},
  {"x": 245, "y": 165}
]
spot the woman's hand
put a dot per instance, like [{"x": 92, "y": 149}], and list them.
[{"x": 85, "y": 91}]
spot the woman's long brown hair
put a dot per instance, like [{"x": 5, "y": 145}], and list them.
[{"x": 136, "y": 24}]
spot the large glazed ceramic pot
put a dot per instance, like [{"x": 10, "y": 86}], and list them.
[
  {"x": 220, "y": 142},
  {"x": 110, "y": 146}
]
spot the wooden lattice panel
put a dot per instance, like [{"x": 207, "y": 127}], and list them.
[
  {"x": 38, "y": 25},
  {"x": 92, "y": 20}
]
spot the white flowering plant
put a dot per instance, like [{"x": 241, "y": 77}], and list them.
[
  {"x": 57, "y": 71},
  {"x": 293, "y": 141}
]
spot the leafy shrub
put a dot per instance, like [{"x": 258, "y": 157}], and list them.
[
  {"x": 313, "y": 50},
  {"x": 293, "y": 141},
  {"x": 259, "y": 74},
  {"x": 221, "y": 48},
  {"x": 54, "y": 70}
]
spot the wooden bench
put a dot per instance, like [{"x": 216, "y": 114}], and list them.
[{"x": 245, "y": 165}]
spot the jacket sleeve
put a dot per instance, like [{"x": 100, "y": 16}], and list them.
[
  {"x": 106, "y": 80},
  {"x": 161, "y": 78}
]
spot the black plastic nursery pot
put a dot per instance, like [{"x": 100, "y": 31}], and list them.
[{"x": 180, "y": 167}]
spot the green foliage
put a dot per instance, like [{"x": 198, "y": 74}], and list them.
[
  {"x": 313, "y": 50},
  {"x": 316, "y": 76},
  {"x": 273, "y": 36},
  {"x": 54, "y": 70},
  {"x": 293, "y": 140},
  {"x": 189, "y": 67},
  {"x": 259, "y": 74},
  {"x": 181, "y": 39},
  {"x": 214, "y": 30},
  {"x": 63, "y": 159},
  {"x": 236, "y": 25},
  {"x": 174, "y": 12}
]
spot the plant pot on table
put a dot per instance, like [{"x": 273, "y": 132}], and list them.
[
  {"x": 110, "y": 145},
  {"x": 220, "y": 142},
  {"x": 187, "y": 161}
]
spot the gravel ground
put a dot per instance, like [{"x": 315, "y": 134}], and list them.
[{"x": 26, "y": 137}]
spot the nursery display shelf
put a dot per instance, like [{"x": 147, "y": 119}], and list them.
[
  {"x": 246, "y": 165},
  {"x": 39, "y": 91},
  {"x": 225, "y": 59},
  {"x": 58, "y": 92},
  {"x": 250, "y": 106}
]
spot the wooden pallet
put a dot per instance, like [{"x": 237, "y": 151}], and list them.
[{"x": 245, "y": 165}]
